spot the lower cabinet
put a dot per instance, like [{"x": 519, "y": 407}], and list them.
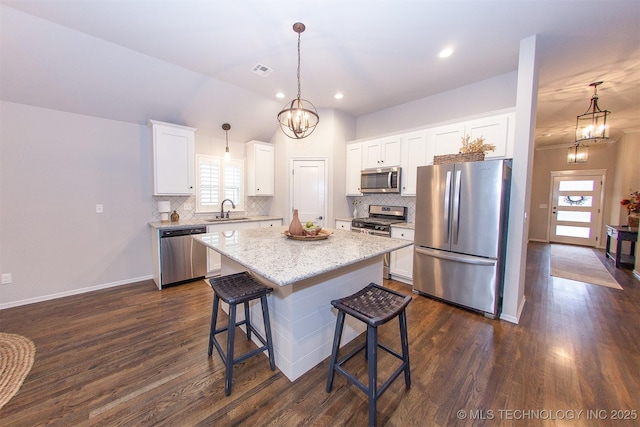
[
  {"x": 401, "y": 261},
  {"x": 343, "y": 225}
]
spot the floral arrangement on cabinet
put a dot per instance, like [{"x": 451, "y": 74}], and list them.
[
  {"x": 476, "y": 146},
  {"x": 632, "y": 205},
  {"x": 632, "y": 202}
]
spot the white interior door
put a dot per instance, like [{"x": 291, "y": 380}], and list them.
[
  {"x": 309, "y": 190},
  {"x": 576, "y": 209}
]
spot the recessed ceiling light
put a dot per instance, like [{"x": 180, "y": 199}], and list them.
[
  {"x": 279, "y": 95},
  {"x": 338, "y": 95},
  {"x": 446, "y": 52}
]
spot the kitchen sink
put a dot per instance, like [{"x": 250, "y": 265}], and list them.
[{"x": 227, "y": 219}]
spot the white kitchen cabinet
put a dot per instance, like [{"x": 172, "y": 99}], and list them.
[
  {"x": 383, "y": 152},
  {"x": 353, "y": 168},
  {"x": 417, "y": 150},
  {"x": 229, "y": 234},
  {"x": 271, "y": 223},
  {"x": 401, "y": 261},
  {"x": 447, "y": 139},
  {"x": 343, "y": 225},
  {"x": 173, "y": 159},
  {"x": 496, "y": 130},
  {"x": 260, "y": 169}
]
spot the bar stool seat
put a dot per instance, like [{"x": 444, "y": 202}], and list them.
[
  {"x": 373, "y": 305},
  {"x": 234, "y": 289}
]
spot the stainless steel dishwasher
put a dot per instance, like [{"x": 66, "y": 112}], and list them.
[{"x": 181, "y": 258}]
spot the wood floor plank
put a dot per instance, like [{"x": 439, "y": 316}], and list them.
[{"x": 133, "y": 355}]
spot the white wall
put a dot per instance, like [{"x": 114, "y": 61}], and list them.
[
  {"x": 55, "y": 168},
  {"x": 496, "y": 93}
]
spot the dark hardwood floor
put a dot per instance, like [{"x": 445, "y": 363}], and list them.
[{"x": 133, "y": 355}]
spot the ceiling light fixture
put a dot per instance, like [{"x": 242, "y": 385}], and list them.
[
  {"x": 299, "y": 118},
  {"x": 592, "y": 125},
  {"x": 579, "y": 153},
  {"x": 227, "y": 154},
  {"x": 446, "y": 52}
]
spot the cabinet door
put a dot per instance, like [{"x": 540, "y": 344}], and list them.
[
  {"x": 447, "y": 139},
  {"x": 270, "y": 224},
  {"x": 354, "y": 166},
  {"x": 495, "y": 130},
  {"x": 391, "y": 151},
  {"x": 260, "y": 169},
  {"x": 416, "y": 151},
  {"x": 371, "y": 154},
  {"x": 173, "y": 159},
  {"x": 401, "y": 261},
  {"x": 343, "y": 225}
]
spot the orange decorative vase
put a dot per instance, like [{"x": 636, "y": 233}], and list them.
[{"x": 295, "y": 228}]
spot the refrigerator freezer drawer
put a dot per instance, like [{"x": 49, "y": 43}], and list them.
[{"x": 461, "y": 279}]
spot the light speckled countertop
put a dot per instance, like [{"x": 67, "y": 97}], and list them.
[
  {"x": 202, "y": 221},
  {"x": 283, "y": 261}
]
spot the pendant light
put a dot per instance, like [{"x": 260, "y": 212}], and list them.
[
  {"x": 592, "y": 125},
  {"x": 227, "y": 154},
  {"x": 299, "y": 118},
  {"x": 579, "y": 153}
]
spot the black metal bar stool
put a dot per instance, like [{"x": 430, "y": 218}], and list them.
[
  {"x": 373, "y": 305},
  {"x": 236, "y": 289}
]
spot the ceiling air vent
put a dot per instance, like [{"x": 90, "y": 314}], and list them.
[{"x": 262, "y": 70}]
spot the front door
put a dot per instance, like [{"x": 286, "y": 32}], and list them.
[
  {"x": 309, "y": 190},
  {"x": 576, "y": 208}
]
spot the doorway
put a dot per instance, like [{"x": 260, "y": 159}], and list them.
[
  {"x": 576, "y": 207},
  {"x": 309, "y": 190}
]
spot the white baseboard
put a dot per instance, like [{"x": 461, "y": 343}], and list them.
[
  {"x": 516, "y": 319},
  {"x": 73, "y": 292}
]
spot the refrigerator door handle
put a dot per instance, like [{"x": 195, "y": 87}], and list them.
[
  {"x": 447, "y": 202},
  {"x": 455, "y": 257},
  {"x": 456, "y": 207}
]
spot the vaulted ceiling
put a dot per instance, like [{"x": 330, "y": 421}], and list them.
[{"x": 378, "y": 53}]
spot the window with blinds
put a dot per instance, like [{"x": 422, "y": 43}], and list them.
[{"x": 218, "y": 180}]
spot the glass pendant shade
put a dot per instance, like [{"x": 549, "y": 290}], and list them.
[
  {"x": 579, "y": 153},
  {"x": 227, "y": 154},
  {"x": 299, "y": 118},
  {"x": 592, "y": 125}
]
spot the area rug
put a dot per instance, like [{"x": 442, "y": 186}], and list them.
[
  {"x": 17, "y": 354},
  {"x": 580, "y": 264}
]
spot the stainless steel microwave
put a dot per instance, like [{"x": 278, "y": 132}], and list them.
[{"x": 380, "y": 180}]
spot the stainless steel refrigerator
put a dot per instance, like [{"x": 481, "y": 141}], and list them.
[{"x": 461, "y": 233}]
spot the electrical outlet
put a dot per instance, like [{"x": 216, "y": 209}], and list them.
[
  {"x": 99, "y": 208},
  {"x": 187, "y": 207},
  {"x": 6, "y": 278}
]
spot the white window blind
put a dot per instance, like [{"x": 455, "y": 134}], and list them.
[{"x": 218, "y": 180}]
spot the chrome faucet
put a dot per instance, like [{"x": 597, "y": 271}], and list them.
[{"x": 222, "y": 207}]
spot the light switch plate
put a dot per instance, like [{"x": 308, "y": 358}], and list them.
[
  {"x": 6, "y": 278},
  {"x": 99, "y": 208}
]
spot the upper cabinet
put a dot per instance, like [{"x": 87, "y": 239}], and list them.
[
  {"x": 497, "y": 130},
  {"x": 417, "y": 150},
  {"x": 383, "y": 152},
  {"x": 260, "y": 169},
  {"x": 173, "y": 159},
  {"x": 354, "y": 166}
]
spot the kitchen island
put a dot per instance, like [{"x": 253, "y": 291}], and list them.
[{"x": 305, "y": 277}]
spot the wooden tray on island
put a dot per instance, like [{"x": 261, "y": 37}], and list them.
[{"x": 323, "y": 234}]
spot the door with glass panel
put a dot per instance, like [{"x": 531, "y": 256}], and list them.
[{"x": 576, "y": 206}]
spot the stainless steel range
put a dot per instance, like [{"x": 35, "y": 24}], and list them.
[{"x": 378, "y": 223}]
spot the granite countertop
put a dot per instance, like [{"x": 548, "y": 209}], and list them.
[
  {"x": 203, "y": 221},
  {"x": 283, "y": 261}
]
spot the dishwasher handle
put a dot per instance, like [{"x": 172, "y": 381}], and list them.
[{"x": 182, "y": 232}]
